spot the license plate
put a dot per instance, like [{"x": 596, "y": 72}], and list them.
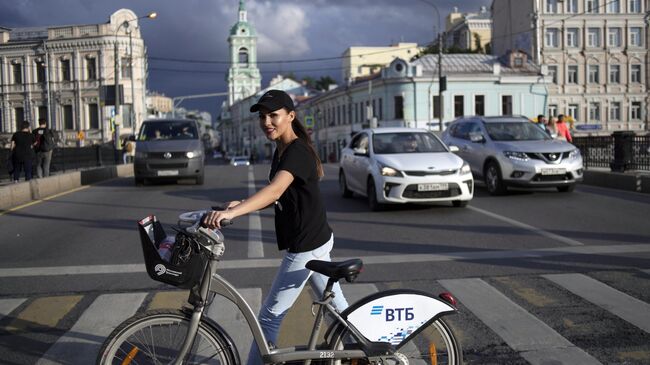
[
  {"x": 433, "y": 187},
  {"x": 551, "y": 171},
  {"x": 167, "y": 172}
]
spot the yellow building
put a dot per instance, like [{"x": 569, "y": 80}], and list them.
[
  {"x": 467, "y": 31},
  {"x": 363, "y": 61}
]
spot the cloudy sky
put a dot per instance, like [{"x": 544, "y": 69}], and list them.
[{"x": 287, "y": 30}]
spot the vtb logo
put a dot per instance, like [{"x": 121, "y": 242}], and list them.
[{"x": 393, "y": 314}]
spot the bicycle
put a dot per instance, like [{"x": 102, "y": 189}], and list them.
[{"x": 399, "y": 326}]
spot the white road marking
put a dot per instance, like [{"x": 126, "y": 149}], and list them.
[
  {"x": 81, "y": 344},
  {"x": 533, "y": 229},
  {"x": 255, "y": 246},
  {"x": 533, "y": 339},
  {"x": 626, "y": 307},
  {"x": 380, "y": 259},
  {"x": 7, "y": 305}
]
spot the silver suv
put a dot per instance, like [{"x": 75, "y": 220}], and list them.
[{"x": 512, "y": 151}]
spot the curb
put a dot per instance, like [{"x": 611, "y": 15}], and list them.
[
  {"x": 13, "y": 195},
  {"x": 633, "y": 181}
]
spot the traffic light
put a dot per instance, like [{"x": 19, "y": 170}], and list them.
[{"x": 443, "y": 83}]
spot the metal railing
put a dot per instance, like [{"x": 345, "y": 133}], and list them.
[{"x": 600, "y": 151}]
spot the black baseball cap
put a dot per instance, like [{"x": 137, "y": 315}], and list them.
[{"x": 274, "y": 100}]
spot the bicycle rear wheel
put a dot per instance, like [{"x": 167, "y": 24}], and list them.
[
  {"x": 156, "y": 337},
  {"x": 434, "y": 345}
]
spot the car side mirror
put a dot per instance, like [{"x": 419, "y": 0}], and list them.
[
  {"x": 476, "y": 137},
  {"x": 360, "y": 152}
]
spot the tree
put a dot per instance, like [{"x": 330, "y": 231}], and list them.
[{"x": 324, "y": 82}]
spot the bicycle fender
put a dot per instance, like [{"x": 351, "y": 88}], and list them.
[{"x": 394, "y": 315}]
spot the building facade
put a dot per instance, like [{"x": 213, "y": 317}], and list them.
[
  {"x": 405, "y": 94},
  {"x": 468, "y": 31},
  {"x": 58, "y": 73},
  {"x": 158, "y": 105},
  {"x": 364, "y": 61},
  {"x": 596, "y": 51},
  {"x": 243, "y": 77}
]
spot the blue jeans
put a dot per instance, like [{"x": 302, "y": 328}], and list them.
[{"x": 289, "y": 281}]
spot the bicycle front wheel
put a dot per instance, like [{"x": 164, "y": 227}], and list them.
[
  {"x": 434, "y": 345},
  {"x": 156, "y": 337}
]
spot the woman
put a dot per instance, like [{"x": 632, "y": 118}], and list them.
[
  {"x": 563, "y": 129},
  {"x": 551, "y": 127},
  {"x": 300, "y": 220},
  {"x": 22, "y": 150}
]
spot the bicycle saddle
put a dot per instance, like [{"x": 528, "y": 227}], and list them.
[{"x": 348, "y": 269}]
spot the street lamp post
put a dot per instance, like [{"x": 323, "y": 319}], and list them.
[{"x": 440, "y": 78}]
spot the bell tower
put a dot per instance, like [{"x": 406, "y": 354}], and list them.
[{"x": 244, "y": 77}]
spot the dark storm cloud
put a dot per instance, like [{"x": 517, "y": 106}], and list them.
[{"x": 287, "y": 29}]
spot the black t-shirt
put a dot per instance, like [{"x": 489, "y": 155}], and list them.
[
  {"x": 300, "y": 218},
  {"x": 24, "y": 142}
]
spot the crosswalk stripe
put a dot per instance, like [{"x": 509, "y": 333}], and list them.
[
  {"x": 533, "y": 339},
  {"x": 255, "y": 246},
  {"x": 46, "y": 311},
  {"x": 624, "y": 306},
  {"x": 81, "y": 344},
  {"x": 169, "y": 299},
  {"x": 228, "y": 316},
  {"x": 7, "y": 305}
]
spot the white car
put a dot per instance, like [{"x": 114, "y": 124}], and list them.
[
  {"x": 403, "y": 165},
  {"x": 240, "y": 161}
]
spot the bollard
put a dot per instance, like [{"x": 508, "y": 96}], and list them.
[{"x": 623, "y": 142}]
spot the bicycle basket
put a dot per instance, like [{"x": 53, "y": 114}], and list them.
[{"x": 180, "y": 273}]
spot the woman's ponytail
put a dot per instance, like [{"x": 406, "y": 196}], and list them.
[{"x": 301, "y": 132}]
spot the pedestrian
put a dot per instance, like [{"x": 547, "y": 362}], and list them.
[
  {"x": 22, "y": 149},
  {"x": 301, "y": 226},
  {"x": 562, "y": 129},
  {"x": 129, "y": 149},
  {"x": 542, "y": 123},
  {"x": 552, "y": 127},
  {"x": 45, "y": 143}
]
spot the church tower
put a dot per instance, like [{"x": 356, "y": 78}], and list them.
[{"x": 244, "y": 77}]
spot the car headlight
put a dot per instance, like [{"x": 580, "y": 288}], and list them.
[
  {"x": 192, "y": 154},
  {"x": 518, "y": 156},
  {"x": 574, "y": 154},
  {"x": 465, "y": 169},
  {"x": 389, "y": 171},
  {"x": 139, "y": 154}
]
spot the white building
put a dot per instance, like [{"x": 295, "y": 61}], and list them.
[
  {"x": 468, "y": 31},
  {"x": 595, "y": 50},
  {"x": 57, "y": 73}
]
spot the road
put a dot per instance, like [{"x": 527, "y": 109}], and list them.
[{"x": 540, "y": 276}]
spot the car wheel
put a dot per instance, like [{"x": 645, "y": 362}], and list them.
[
  {"x": 200, "y": 179},
  {"x": 373, "y": 204},
  {"x": 566, "y": 188},
  {"x": 343, "y": 186},
  {"x": 460, "y": 203},
  {"x": 493, "y": 180}
]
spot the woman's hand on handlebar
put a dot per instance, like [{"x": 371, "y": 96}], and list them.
[{"x": 213, "y": 219}]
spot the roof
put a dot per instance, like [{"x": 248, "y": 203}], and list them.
[
  {"x": 26, "y": 34},
  {"x": 470, "y": 63}
]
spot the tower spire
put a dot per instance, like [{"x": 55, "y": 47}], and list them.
[{"x": 242, "y": 11}]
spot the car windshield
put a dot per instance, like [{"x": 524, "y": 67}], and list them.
[
  {"x": 171, "y": 130},
  {"x": 518, "y": 131},
  {"x": 406, "y": 142}
]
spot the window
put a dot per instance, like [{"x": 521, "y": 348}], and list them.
[
  {"x": 635, "y": 74},
  {"x": 552, "y": 71},
  {"x": 127, "y": 120},
  {"x": 506, "y": 104},
  {"x": 91, "y": 68},
  {"x": 93, "y": 116},
  {"x": 399, "y": 107},
  {"x": 552, "y": 110},
  {"x": 571, "y": 6},
  {"x": 436, "y": 106},
  {"x": 592, "y": 7},
  {"x": 551, "y": 6},
  {"x": 381, "y": 109},
  {"x": 19, "y": 116},
  {"x": 552, "y": 37},
  {"x": 374, "y": 108},
  {"x": 338, "y": 115},
  {"x": 243, "y": 57},
  {"x": 594, "y": 112},
  {"x": 573, "y": 37},
  {"x": 635, "y": 37},
  {"x": 615, "y": 110},
  {"x": 574, "y": 111},
  {"x": 614, "y": 74},
  {"x": 594, "y": 74},
  {"x": 16, "y": 70},
  {"x": 479, "y": 104},
  {"x": 593, "y": 37},
  {"x": 68, "y": 118},
  {"x": 126, "y": 67},
  {"x": 614, "y": 37},
  {"x": 459, "y": 105},
  {"x": 42, "y": 112},
  {"x": 572, "y": 74},
  {"x": 613, "y": 6},
  {"x": 634, "y": 6},
  {"x": 65, "y": 70},
  {"x": 40, "y": 72},
  {"x": 635, "y": 110}
]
